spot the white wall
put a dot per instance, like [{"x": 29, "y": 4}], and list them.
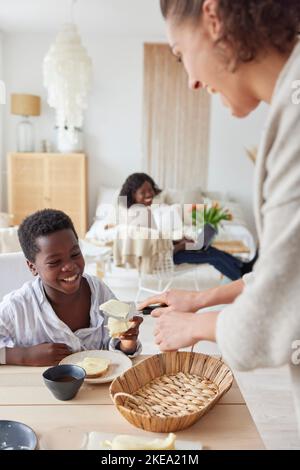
[
  {"x": 230, "y": 169},
  {"x": 113, "y": 124},
  {"x": 1, "y": 119}
]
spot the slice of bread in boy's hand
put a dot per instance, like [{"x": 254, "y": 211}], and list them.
[
  {"x": 94, "y": 366},
  {"x": 117, "y": 327}
]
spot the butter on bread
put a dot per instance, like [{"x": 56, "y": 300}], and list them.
[
  {"x": 124, "y": 442},
  {"x": 115, "y": 308},
  {"x": 94, "y": 366},
  {"x": 117, "y": 327}
]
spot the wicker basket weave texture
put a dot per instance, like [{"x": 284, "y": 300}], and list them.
[{"x": 169, "y": 392}]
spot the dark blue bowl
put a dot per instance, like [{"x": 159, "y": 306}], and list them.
[
  {"x": 16, "y": 436},
  {"x": 64, "y": 381}
]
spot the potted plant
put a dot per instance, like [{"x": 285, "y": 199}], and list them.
[{"x": 210, "y": 217}]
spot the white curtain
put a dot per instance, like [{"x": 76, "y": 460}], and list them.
[
  {"x": 176, "y": 123},
  {"x": 2, "y": 102}
]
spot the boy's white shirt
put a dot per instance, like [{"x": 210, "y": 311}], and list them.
[{"x": 27, "y": 319}]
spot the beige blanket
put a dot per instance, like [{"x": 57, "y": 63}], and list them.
[{"x": 141, "y": 248}]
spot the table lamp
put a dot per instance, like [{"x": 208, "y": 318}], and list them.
[{"x": 25, "y": 105}]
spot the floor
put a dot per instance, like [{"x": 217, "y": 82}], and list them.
[{"x": 266, "y": 391}]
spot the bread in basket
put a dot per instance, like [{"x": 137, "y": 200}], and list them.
[{"x": 171, "y": 391}]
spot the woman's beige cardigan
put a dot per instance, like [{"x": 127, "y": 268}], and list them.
[{"x": 262, "y": 327}]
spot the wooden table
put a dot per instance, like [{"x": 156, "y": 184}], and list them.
[
  {"x": 232, "y": 247},
  {"x": 24, "y": 397}
]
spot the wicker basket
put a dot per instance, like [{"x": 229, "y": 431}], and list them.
[{"x": 169, "y": 392}]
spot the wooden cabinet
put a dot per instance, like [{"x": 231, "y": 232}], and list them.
[{"x": 47, "y": 180}]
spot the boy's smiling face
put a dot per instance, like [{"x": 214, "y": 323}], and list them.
[{"x": 59, "y": 262}]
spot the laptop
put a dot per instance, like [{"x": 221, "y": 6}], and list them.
[{"x": 204, "y": 239}]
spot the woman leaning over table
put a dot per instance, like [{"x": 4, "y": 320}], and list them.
[{"x": 249, "y": 52}]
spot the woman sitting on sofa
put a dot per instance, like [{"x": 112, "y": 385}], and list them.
[{"x": 140, "y": 189}]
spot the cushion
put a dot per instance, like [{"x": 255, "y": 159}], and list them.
[
  {"x": 185, "y": 196},
  {"x": 9, "y": 242},
  {"x": 106, "y": 203},
  {"x": 105, "y": 215},
  {"x": 213, "y": 195},
  {"x": 161, "y": 198}
]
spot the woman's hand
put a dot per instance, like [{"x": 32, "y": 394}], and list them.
[
  {"x": 182, "y": 300},
  {"x": 129, "y": 338},
  {"x": 177, "y": 330},
  {"x": 189, "y": 301}
]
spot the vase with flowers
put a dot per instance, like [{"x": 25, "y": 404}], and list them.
[
  {"x": 209, "y": 217},
  {"x": 69, "y": 141}
]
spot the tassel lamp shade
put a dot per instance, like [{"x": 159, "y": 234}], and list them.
[{"x": 25, "y": 105}]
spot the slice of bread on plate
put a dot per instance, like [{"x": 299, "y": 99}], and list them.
[{"x": 94, "y": 366}]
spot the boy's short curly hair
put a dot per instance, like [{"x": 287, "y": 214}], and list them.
[
  {"x": 40, "y": 224},
  {"x": 249, "y": 26},
  {"x": 133, "y": 183}
]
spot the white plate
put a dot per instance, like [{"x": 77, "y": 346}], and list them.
[
  {"x": 119, "y": 363},
  {"x": 95, "y": 439},
  {"x": 64, "y": 438}
]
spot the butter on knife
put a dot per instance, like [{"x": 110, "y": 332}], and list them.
[{"x": 116, "y": 309}]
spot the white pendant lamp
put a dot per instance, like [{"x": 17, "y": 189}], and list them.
[{"x": 67, "y": 72}]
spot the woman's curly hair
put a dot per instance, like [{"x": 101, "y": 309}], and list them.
[
  {"x": 249, "y": 26},
  {"x": 133, "y": 183}
]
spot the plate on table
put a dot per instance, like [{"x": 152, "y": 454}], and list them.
[
  {"x": 64, "y": 438},
  {"x": 16, "y": 436},
  {"x": 96, "y": 441},
  {"x": 119, "y": 363}
]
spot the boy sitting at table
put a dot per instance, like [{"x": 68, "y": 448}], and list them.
[{"x": 57, "y": 313}]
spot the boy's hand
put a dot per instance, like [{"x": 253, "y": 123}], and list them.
[
  {"x": 46, "y": 354},
  {"x": 129, "y": 338}
]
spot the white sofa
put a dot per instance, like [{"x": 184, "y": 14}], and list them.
[
  {"x": 9, "y": 242},
  {"x": 14, "y": 272},
  {"x": 237, "y": 229}
]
